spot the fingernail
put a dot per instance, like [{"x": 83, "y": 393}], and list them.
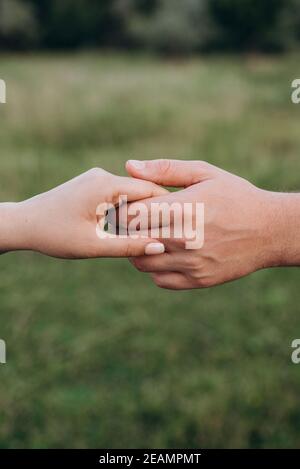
[
  {"x": 154, "y": 248},
  {"x": 139, "y": 165}
]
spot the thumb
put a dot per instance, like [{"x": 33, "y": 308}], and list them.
[{"x": 176, "y": 173}]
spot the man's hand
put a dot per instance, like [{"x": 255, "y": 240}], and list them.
[
  {"x": 62, "y": 222},
  {"x": 246, "y": 228}
]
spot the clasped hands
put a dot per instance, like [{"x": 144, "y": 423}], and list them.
[{"x": 244, "y": 226}]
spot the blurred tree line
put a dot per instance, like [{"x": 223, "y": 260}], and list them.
[{"x": 168, "y": 26}]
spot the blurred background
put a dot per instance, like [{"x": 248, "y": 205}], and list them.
[{"x": 97, "y": 356}]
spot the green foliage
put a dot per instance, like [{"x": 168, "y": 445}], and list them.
[
  {"x": 174, "y": 26},
  {"x": 18, "y": 26},
  {"x": 249, "y": 24},
  {"x": 169, "y": 26},
  {"x": 73, "y": 23},
  {"x": 290, "y": 22}
]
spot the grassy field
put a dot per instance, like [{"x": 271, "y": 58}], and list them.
[{"x": 97, "y": 355}]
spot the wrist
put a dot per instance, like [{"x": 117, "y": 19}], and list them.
[
  {"x": 282, "y": 226},
  {"x": 13, "y": 227}
]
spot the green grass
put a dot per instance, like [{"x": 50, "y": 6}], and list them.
[{"x": 97, "y": 355}]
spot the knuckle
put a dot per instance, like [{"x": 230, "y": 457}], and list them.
[
  {"x": 139, "y": 265},
  {"x": 203, "y": 163},
  {"x": 158, "y": 281},
  {"x": 196, "y": 275},
  {"x": 164, "y": 166},
  {"x": 161, "y": 285},
  {"x": 128, "y": 251},
  {"x": 96, "y": 173},
  {"x": 205, "y": 282},
  {"x": 194, "y": 268},
  {"x": 180, "y": 242},
  {"x": 131, "y": 250}
]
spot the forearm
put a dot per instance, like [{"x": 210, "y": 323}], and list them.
[
  {"x": 13, "y": 227},
  {"x": 284, "y": 229}
]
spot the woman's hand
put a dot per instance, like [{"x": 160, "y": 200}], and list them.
[{"x": 62, "y": 222}]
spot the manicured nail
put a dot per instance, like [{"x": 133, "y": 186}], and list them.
[
  {"x": 139, "y": 165},
  {"x": 154, "y": 248}
]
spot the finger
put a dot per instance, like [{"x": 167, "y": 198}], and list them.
[
  {"x": 172, "y": 281},
  {"x": 137, "y": 189},
  {"x": 176, "y": 245},
  {"x": 175, "y": 173},
  {"x": 154, "y": 212},
  {"x": 128, "y": 247},
  {"x": 160, "y": 263},
  {"x": 127, "y": 190},
  {"x": 111, "y": 244}
]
